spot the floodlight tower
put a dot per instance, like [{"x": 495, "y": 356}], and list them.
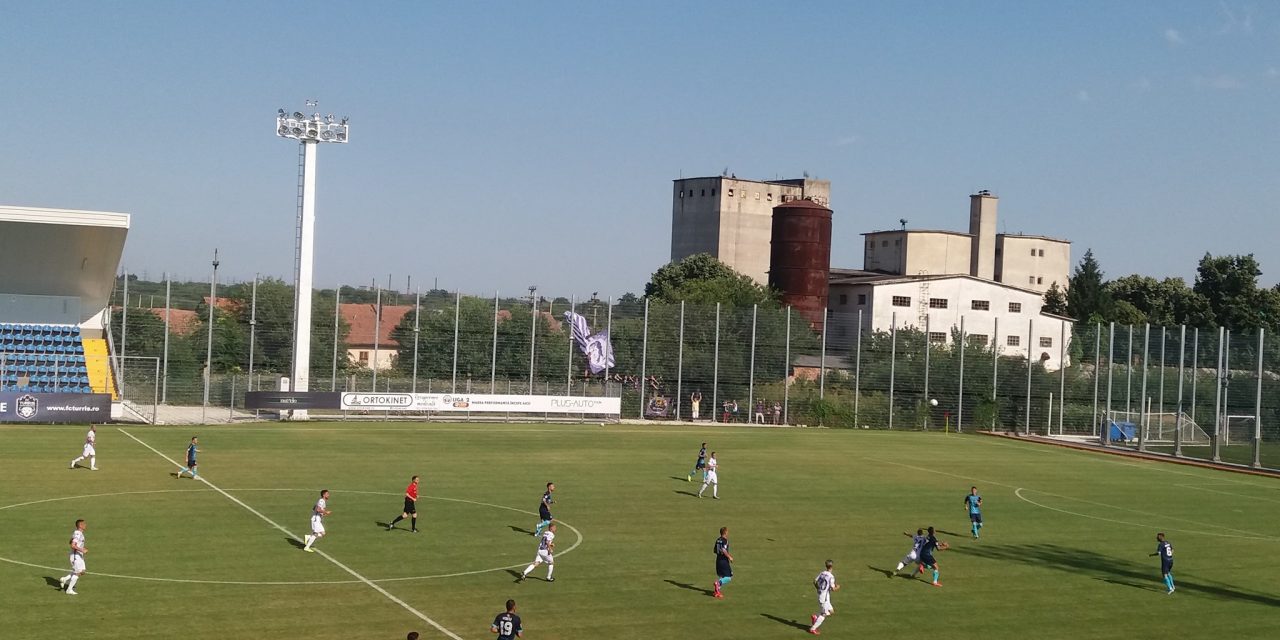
[{"x": 309, "y": 131}]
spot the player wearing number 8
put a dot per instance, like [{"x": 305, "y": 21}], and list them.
[
  {"x": 1165, "y": 551},
  {"x": 507, "y": 625}
]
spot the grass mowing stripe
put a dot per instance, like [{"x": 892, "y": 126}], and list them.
[{"x": 387, "y": 594}]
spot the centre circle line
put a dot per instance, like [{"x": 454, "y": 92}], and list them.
[{"x": 575, "y": 545}]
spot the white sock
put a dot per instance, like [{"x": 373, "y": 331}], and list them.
[
  {"x": 527, "y": 570},
  {"x": 71, "y": 584},
  {"x": 900, "y": 566},
  {"x": 818, "y": 623},
  {"x": 307, "y": 540},
  {"x": 550, "y": 568},
  {"x": 65, "y": 579},
  {"x": 93, "y": 461},
  {"x": 73, "y": 462},
  {"x": 715, "y": 491},
  {"x": 704, "y": 488}
]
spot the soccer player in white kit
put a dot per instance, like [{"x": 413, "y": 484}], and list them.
[
  {"x": 546, "y": 546},
  {"x": 318, "y": 513},
  {"x": 711, "y": 479},
  {"x": 89, "y": 452},
  {"x": 68, "y": 582},
  {"x": 825, "y": 583}
]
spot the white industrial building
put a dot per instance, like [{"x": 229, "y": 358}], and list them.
[
  {"x": 931, "y": 279},
  {"x": 993, "y": 313}
]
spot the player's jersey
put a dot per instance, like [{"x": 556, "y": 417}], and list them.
[
  {"x": 90, "y": 437},
  {"x": 702, "y": 454},
  {"x": 972, "y": 501},
  {"x": 318, "y": 510},
  {"x": 722, "y": 547},
  {"x": 507, "y": 626},
  {"x": 547, "y": 500},
  {"x": 930, "y": 545},
  {"x": 825, "y": 582},
  {"x": 917, "y": 543},
  {"x": 711, "y": 465},
  {"x": 191, "y": 452},
  {"x": 544, "y": 544},
  {"x": 411, "y": 491},
  {"x": 1165, "y": 551},
  {"x": 77, "y": 542}
]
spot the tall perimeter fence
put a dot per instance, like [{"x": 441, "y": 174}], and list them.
[{"x": 1197, "y": 392}]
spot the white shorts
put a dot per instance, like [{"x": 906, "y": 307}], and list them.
[
  {"x": 824, "y": 605},
  {"x": 77, "y": 563},
  {"x": 317, "y": 526},
  {"x": 544, "y": 556},
  {"x": 88, "y": 451},
  {"x": 711, "y": 478},
  {"x": 910, "y": 557}
]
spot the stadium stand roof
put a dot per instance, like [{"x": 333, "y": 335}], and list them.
[{"x": 58, "y": 265}]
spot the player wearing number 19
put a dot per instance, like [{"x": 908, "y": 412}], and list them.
[
  {"x": 1165, "y": 551},
  {"x": 507, "y": 625}
]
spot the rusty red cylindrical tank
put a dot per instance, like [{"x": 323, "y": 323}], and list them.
[{"x": 800, "y": 257}]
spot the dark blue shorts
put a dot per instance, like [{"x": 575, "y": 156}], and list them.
[
  {"x": 701, "y": 464},
  {"x": 544, "y": 514},
  {"x": 928, "y": 561},
  {"x": 975, "y": 517},
  {"x": 191, "y": 463},
  {"x": 1166, "y": 567},
  {"x": 724, "y": 569}
]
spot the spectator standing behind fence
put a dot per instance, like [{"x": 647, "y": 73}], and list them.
[
  {"x": 759, "y": 417},
  {"x": 725, "y": 416},
  {"x": 695, "y": 401},
  {"x": 733, "y": 411},
  {"x": 777, "y": 412}
]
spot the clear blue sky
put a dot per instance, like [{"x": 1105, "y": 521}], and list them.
[{"x": 498, "y": 145}]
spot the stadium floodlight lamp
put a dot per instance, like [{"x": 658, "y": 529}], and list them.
[{"x": 315, "y": 128}]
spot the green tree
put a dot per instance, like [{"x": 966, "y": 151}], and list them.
[
  {"x": 1087, "y": 297},
  {"x": 1055, "y": 301},
  {"x": 1230, "y": 286},
  {"x": 1167, "y": 302},
  {"x": 702, "y": 279}
]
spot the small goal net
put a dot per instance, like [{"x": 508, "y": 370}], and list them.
[
  {"x": 1159, "y": 427},
  {"x": 1239, "y": 430}
]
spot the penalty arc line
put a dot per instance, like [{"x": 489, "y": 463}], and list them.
[{"x": 387, "y": 594}]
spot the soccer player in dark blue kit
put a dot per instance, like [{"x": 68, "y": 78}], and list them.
[
  {"x": 192, "y": 450},
  {"x": 544, "y": 510},
  {"x": 1165, "y": 551},
  {"x": 930, "y": 545},
  {"x": 724, "y": 563},
  {"x": 700, "y": 465},
  {"x": 507, "y": 625},
  {"x": 973, "y": 502}
]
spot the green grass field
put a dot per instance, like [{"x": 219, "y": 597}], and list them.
[{"x": 1064, "y": 553}]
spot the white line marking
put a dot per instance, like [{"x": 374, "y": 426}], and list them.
[
  {"x": 387, "y": 594},
  {"x": 572, "y": 528},
  {"x": 1251, "y": 535},
  {"x": 1226, "y": 493},
  {"x": 1018, "y": 492}
]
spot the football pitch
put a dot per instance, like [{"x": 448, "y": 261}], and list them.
[{"x": 1064, "y": 553}]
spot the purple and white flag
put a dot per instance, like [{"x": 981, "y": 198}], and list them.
[{"x": 597, "y": 348}]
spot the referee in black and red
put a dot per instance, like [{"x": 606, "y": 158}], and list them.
[{"x": 410, "y": 507}]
